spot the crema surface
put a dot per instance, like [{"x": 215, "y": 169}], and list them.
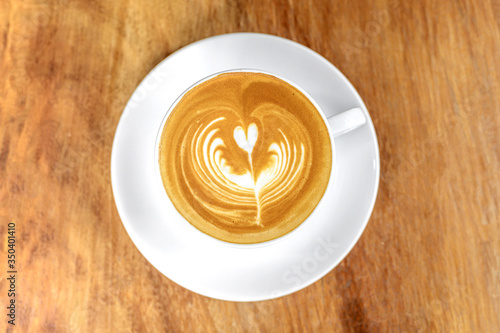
[{"x": 245, "y": 157}]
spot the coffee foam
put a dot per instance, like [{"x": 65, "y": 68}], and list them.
[{"x": 245, "y": 157}]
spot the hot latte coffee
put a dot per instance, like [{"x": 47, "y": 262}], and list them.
[{"x": 245, "y": 157}]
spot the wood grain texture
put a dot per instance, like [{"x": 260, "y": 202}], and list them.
[{"x": 429, "y": 73}]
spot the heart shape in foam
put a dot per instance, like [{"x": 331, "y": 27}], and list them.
[{"x": 246, "y": 141}]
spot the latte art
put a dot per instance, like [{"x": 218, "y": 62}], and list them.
[
  {"x": 248, "y": 184},
  {"x": 245, "y": 157}
]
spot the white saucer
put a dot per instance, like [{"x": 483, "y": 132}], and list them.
[{"x": 212, "y": 268}]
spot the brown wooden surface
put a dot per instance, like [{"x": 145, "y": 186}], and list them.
[{"x": 428, "y": 72}]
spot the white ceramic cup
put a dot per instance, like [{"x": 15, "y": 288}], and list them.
[{"x": 337, "y": 125}]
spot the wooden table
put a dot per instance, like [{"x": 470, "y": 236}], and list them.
[{"x": 429, "y": 73}]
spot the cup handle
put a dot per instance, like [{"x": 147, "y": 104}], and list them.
[{"x": 346, "y": 121}]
